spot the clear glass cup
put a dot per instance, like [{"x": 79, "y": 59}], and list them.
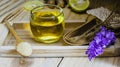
[{"x": 47, "y": 23}]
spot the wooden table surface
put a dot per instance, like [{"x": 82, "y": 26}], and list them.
[{"x": 7, "y": 6}]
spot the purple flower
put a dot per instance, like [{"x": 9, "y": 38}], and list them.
[
  {"x": 98, "y": 39},
  {"x": 110, "y": 35},
  {"x": 105, "y": 42},
  {"x": 102, "y": 28},
  {"x": 94, "y": 50},
  {"x": 102, "y": 39}
]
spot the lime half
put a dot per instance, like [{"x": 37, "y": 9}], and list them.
[
  {"x": 32, "y": 4},
  {"x": 79, "y": 5}
]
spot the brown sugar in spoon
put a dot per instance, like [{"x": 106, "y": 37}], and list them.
[{"x": 22, "y": 47}]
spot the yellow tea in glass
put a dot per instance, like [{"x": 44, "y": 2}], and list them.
[{"x": 47, "y": 23}]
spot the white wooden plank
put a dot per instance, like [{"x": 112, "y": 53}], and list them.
[
  {"x": 84, "y": 62},
  {"x": 29, "y": 62},
  {"x": 3, "y": 33},
  {"x": 48, "y": 62},
  {"x": 66, "y": 62}
]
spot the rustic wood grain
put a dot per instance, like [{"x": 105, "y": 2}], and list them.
[
  {"x": 84, "y": 62},
  {"x": 66, "y": 62},
  {"x": 29, "y": 62}
]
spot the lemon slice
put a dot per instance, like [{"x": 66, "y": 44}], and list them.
[
  {"x": 79, "y": 5},
  {"x": 32, "y": 4}
]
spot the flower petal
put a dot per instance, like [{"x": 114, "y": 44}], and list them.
[{"x": 100, "y": 41}]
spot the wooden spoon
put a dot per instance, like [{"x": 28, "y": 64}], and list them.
[{"x": 22, "y": 47}]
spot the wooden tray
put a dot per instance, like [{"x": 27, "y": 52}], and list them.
[{"x": 59, "y": 49}]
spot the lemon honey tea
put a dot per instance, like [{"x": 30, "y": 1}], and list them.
[{"x": 47, "y": 26}]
